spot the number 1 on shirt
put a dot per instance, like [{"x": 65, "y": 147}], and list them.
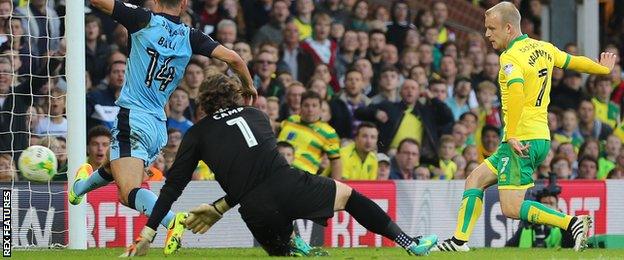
[{"x": 245, "y": 130}]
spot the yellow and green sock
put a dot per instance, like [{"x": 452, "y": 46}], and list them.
[
  {"x": 469, "y": 212},
  {"x": 538, "y": 213}
]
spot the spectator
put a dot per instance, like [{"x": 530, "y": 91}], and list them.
[
  {"x": 431, "y": 36},
  {"x": 39, "y": 15},
  {"x": 419, "y": 74},
  {"x": 287, "y": 150},
  {"x": 97, "y": 49},
  {"x": 346, "y": 53},
  {"x": 461, "y": 163},
  {"x": 34, "y": 117},
  {"x": 425, "y": 52},
  {"x": 490, "y": 70},
  {"x": 174, "y": 139},
  {"x": 321, "y": 71},
  {"x": 98, "y": 142},
  {"x": 422, "y": 172},
  {"x": 15, "y": 101},
  {"x": 193, "y": 77},
  {"x": 617, "y": 173},
  {"x": 383, "y": 170},
  {"x": 606, "y": 111},
  {"x": 264, "y": 70},
  {"x": 261, "y": 104},
  {"x": 488, "y": 110},
  {"x": 292, "y": 104},
  {"x": 458, "y": 103},
  {"x": 388, "y": 86},
  {"x": 8, "y": 173},
  {"x": 412, "y": 40},
  {"x": 561, "y": 166},
  {"x": 363, "y": 43},
  {"x": 272, "y": 31},
  {"x": 365, "y": 67},
  {"x": 273, "y": 108},
  {"x": 408, "y": 60},
  {"x": 568, "y": 95},
  {"x": 490, "y": 139},
  {"x": 589, "y": 125},
  {"x": 437, "y": 90},
  {"x": 460, "y": 136},
  {"x": 359, "y": 160},
  {"x": 333, "y": 8},
  {"x": 294, "y": 60},
  {"x": 358, "y": 20},
  {"x": 344, "y": 105},
  {"x": 410, "y": 119},
  {"x": 471, "y": 154},
  {"x": 178, "y": 103},
  {"x": 390, "y": 56},
  {"x": 401, "y": 23},
  {"x": 55, "y": 122},
  {"x": 244, "y": 50},
  {"x": 440, "y": 15},
  {"x": 58, "y": 147},
  {"x": 326, "y": 115},
  {"x": 381, "y": 14},
  {"x": 607, "y": 163},
  {"x": 303, "y": 18},
  {"x": 471, "y": 121},
  {"x": 476, "y": 54},
  {"x": 424, "y": 19},
  {"x": 588, "y": 168},
  {"x": 618, "y": 86},
  {"x": 319, "y": 46},
  {"x": 101, "y": 107},
  {"x": 377, "y": 44},
  {"x": 405, "y": 162},
  {"x": 465, "y": 67},
  {"x": 446, "y": 151},
  {"x": 569, "y": 131},
  {"x": 226, "y": 31},
  {"x": 210, "y": 15},
  {"x": 311, "y": 137},
  {"x": 235, "y": 13}
]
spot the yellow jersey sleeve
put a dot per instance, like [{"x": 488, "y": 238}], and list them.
[
  {"x": 561, "y": 59},
  {"x": 511, "y": 71},
  {"x": 332, "y": 146}
]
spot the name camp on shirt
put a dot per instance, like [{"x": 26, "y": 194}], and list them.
[{"x": 222, "y": 113}]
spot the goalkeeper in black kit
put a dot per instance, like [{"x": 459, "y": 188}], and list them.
[{"x": 238, "y": 144}]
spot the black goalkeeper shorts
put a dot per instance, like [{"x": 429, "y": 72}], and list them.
[{"x": 270, "y": 208}]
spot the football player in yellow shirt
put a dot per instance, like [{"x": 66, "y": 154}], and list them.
[{"x": 524, "y": 78}]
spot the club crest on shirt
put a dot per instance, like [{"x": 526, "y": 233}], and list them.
[
  {"x": 508, "y": 68},
  {"x": 129, "y": 5}
]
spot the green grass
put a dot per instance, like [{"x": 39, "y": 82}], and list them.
[{"x": 351, "y": 253}]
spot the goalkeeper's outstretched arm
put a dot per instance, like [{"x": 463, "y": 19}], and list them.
[
  {"x": 178, "y": 177},
  {"x": 585, "y": 65}
]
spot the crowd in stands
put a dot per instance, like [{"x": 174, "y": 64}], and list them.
[{"x": 354, "y": 89}]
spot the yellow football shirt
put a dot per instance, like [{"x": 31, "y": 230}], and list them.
[
  {"x": 607, "y": 112},
  {"x": 310, "y": 142},
  {"x": 353, "y": 168},
  {"x": 410, "y": 127},
  {"x": 530, "y": 62}
]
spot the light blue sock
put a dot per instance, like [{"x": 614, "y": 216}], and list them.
[
  {"x": 98, "y": 179},
  {"x": 144, "y": 202}
]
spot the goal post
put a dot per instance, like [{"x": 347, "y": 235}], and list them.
[{"x": 76, "y": 115}]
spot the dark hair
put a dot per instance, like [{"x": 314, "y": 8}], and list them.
[
  {"x": 602, "y": 78},
  {"x": 310, "y": 95},
  {"x": 172, "y": 130},
  {"x": 170, "y": 3},
  {"x": 389, "y": 68},
  {"x": 588, "y": 158},
  {"x": 98, "y": 131},
  {"x": 284, "y": 144},
  {"x": 436, "y": 81},
  {"x": 197, "y": 63},
  {"x": 351, "y": 70},
  {"x": 364, "y": 124},
  {"x": 219, "y": 91},
  {"x": 461, "y": 79},
  {"x": 489, "y": 128},
  {"x": 588, "y": 140},
  {"x": 469, "y": 113},
  {"x": 408, "y": 141},
  {"x": 394, "y": 5},
  {"x": 376, "y": 31}
]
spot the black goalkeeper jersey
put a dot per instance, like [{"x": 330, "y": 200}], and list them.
[{"x": 237, "y": 144}]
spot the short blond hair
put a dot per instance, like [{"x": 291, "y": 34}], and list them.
[{"x": 508, "y": 13}]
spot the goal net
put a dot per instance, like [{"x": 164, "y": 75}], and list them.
[{"x": 33, "y": 111}]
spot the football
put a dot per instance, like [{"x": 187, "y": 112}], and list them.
[{"x": 37, "y": 163}]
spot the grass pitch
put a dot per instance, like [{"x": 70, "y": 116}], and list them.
[{"x": 336, "y": 253}]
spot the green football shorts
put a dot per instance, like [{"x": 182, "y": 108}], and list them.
[{"x": 515, "y": 172}]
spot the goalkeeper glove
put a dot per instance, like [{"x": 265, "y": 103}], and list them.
[
  {"x": 141, "y": 244},
  {"x": 205, "y": 216}
]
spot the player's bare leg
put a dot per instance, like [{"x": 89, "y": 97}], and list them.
[
  {"x": 373, "y": 218},
  {"x": 128, "y": 174},
  {"x": 514, "y": 206},
  {"x": 470, "y": 210}
]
